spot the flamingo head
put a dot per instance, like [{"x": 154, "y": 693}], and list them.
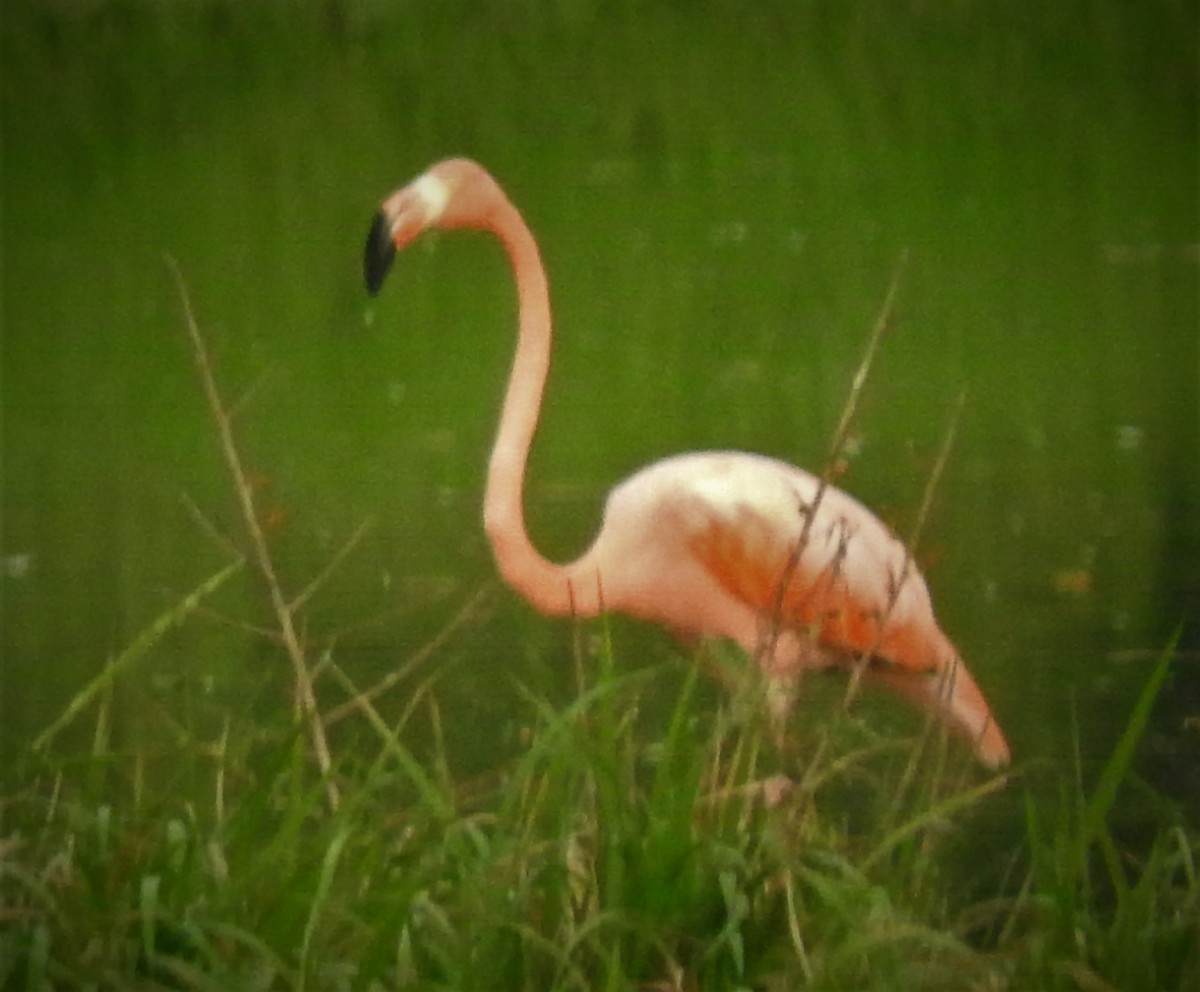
[{"x": 453, "y": 193}]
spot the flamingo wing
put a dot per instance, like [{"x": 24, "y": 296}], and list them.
[
  {"x": 813, "y": 562},
  {"x": 810, "y": 559}
]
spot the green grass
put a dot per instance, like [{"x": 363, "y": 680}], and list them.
[
  {"x": 1105, "y": 916},
  {"x": 615, "y": 852}
]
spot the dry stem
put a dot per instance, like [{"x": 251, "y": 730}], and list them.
[
  {"x": 469, "y": 610},
  {"x": 284, "y": 616},
  {"x": 882, "y": 322},
  {"x": 910, "y": 545}
]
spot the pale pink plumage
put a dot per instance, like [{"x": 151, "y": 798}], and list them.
[{"x": 703, "y": 543}]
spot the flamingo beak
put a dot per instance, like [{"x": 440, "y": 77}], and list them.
[{"x": 379, "y": 252}]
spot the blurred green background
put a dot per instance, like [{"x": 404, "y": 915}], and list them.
[{"x": 722, "y": 193}]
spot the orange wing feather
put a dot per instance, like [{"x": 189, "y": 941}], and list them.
[
  {"x": 832, "y": 572},
  {"x": 843, "y": 580}
]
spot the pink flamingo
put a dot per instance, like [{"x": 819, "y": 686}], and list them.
[{"x": 718, "y": 543}]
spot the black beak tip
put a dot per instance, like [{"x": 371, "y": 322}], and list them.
[{"x": 379, "y": 252}]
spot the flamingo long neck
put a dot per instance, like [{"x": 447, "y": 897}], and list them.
[{"x": 551, "y": 588}]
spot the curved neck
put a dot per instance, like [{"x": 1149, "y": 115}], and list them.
[{"x": 554, "y": 589}]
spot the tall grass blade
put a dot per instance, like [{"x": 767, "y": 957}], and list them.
[
  {"x": 148, "y": 910},
  {"x": 933, "y": 815},
  {"x": 430, "y": 794},
  {"x": 329, "y": 866},
  {"x": 141, "y": 644},
  {"x": 1115, "y": 769}
]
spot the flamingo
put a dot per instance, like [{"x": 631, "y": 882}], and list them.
[{"x": 721, "y": 544}]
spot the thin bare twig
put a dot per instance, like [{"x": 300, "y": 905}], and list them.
[
  {"x": 883, "y": 322},
  {"x": 390, "y": 736},
  {"x": 305, "y": 697},
  {"x": 468, "y": 610},
  {"x": 234, "y": 409},
  {"x": 946, "y": 677},
  {"x": 209, "y": 527},
  {"x": 351, "y": 543},
  {"x": 914, "y": 538}
]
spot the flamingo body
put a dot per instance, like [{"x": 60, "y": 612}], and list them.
[{"x": 722, "y": 543}]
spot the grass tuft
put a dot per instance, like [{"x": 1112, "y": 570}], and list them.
[
  {"x": 1103, "y": 914},
  {"x": 615, "y": 852}
]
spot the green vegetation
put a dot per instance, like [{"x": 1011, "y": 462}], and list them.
[{"x": 609, "y": 855}]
